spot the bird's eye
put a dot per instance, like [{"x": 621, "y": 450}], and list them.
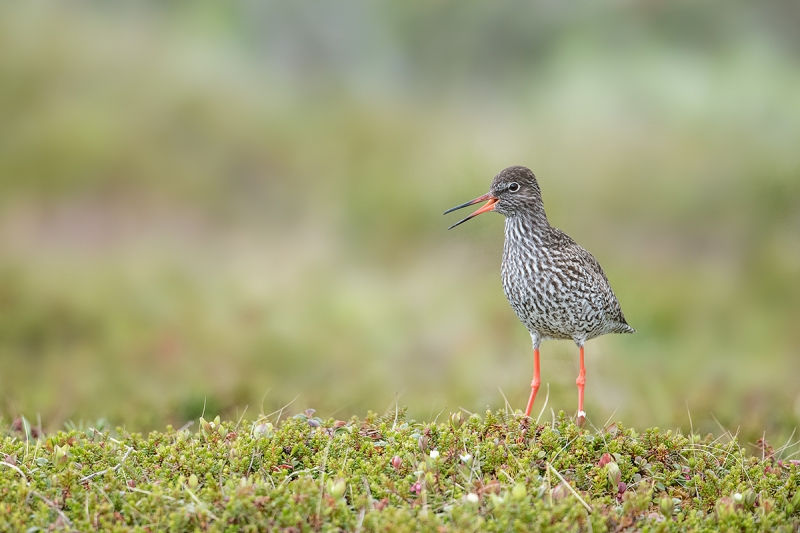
[{"x": 513, "y": 187}]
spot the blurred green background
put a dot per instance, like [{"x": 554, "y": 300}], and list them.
[{"x": 239, "y": 203}]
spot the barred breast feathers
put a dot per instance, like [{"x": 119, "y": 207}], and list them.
[{"x": 556, "y": 287}]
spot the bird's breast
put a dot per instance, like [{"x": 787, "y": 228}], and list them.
[
  {"x": 542, "y": 291},
  {"x": 524, "y": 281}
]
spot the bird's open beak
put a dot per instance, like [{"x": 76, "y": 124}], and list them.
[{"x": 488, "y": 206}]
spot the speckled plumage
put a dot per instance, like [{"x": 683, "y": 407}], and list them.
[{"x": 556, "y": 287}]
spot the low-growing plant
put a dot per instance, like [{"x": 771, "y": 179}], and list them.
[{"x": 499, "y": 472}]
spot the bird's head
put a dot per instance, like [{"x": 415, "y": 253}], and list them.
[{"x": 514, "y": 190}]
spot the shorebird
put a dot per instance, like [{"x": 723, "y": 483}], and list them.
[{"x": 556, "y": 288}]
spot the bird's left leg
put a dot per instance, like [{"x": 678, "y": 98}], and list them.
[
  {"x": 536, "y": 379},
  {"x": 581, "y": 382},
  {"x": 535, "y": 382}
]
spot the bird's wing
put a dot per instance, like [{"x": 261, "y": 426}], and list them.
[{"x": 586, "y": 275}]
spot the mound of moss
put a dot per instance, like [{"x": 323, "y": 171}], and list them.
[{"x": 501, "y": 472}]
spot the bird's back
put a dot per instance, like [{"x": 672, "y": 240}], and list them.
[{"x": 556, "y": 287}]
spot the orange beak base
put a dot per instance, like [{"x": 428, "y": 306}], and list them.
[{"x": 488, "y": 206}]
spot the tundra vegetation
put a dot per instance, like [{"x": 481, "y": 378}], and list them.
[{"x": 498, "y": 472}]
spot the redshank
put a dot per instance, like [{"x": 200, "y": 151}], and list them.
[{"x": 556, "y": 288}]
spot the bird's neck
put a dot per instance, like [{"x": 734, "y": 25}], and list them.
[
  {"x": 528, "y": 222},
  {"x": 530, "y": 228}
]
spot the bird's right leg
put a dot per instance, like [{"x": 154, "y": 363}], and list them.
[
  {"x": 536, "y": 381},
  {"x": 581, "y": 383}
]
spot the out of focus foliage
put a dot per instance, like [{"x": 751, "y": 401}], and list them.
[{"x": 238, "y": 203}]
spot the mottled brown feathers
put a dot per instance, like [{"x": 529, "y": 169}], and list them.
[{"x": 556, "y": 287}]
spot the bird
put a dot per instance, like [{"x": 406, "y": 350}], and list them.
[{"x": 557, "y": 289}]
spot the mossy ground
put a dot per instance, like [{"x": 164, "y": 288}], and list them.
[{"x": 500, "y": 472}]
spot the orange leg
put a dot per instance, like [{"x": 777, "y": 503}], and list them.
[
  {"x": 535, "y": 383},
  {"x": 581, "y": 382}
]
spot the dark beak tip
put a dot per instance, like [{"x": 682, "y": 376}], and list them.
[
  {"x": 488, "y": 207},
  {"x": 482, "y": 198}
]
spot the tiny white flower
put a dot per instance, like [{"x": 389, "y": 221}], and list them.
[
  {"x": 472, "y": 497},
  {"x": 434, "y": 454},
  {"x": 465, "y": 458},
  {"x": 737, "y": 498}
]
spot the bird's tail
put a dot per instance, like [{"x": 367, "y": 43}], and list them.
[{"x": 622, "y": 327}]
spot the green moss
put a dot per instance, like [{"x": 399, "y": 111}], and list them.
[{"x": 497, "y": 473}]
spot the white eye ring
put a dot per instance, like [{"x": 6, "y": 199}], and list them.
[{"x": 513, "y": 187}]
